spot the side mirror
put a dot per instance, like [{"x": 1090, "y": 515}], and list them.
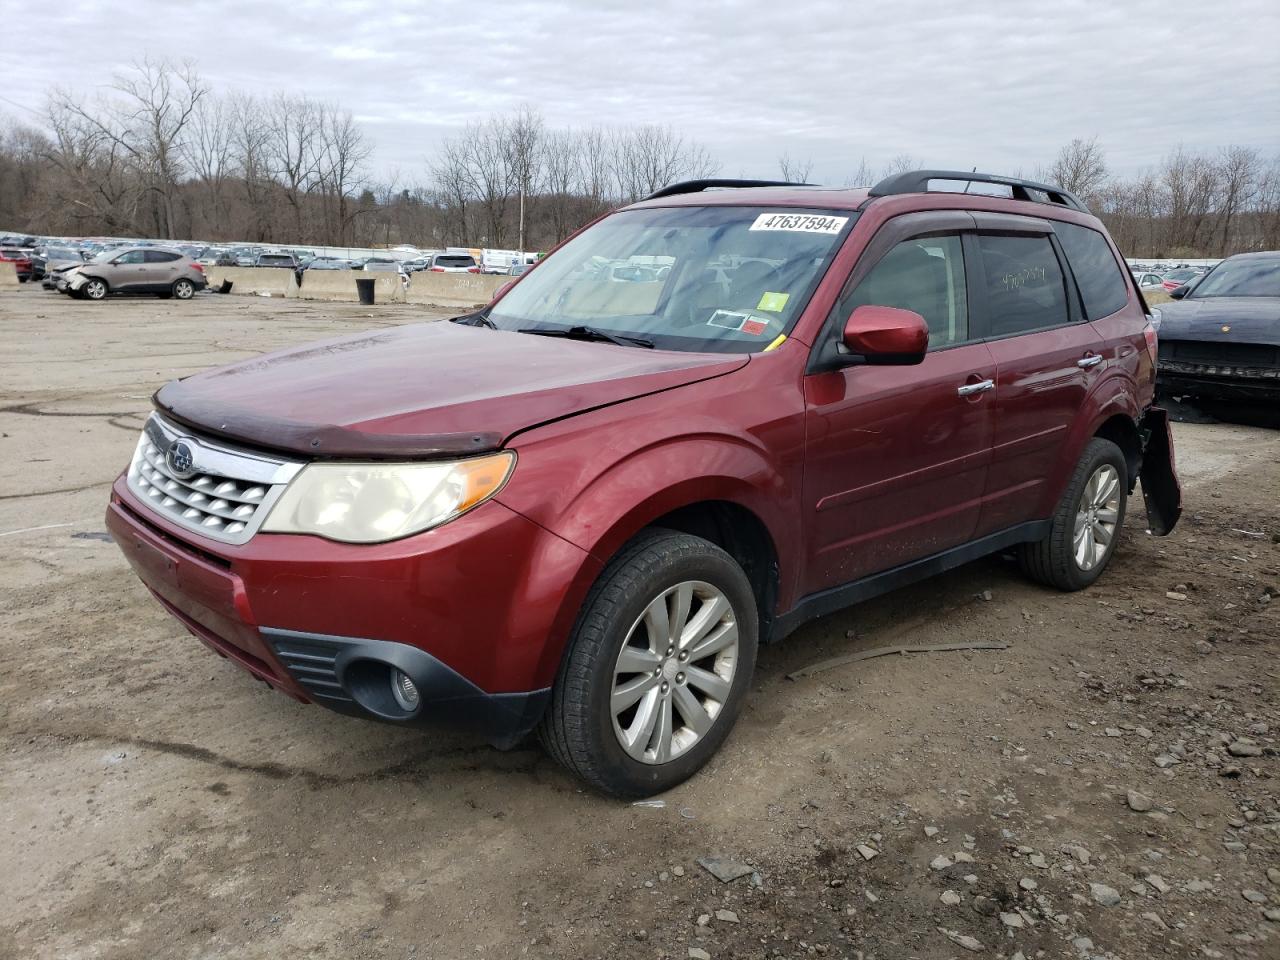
[
  {"x": 885, "y": 336},
  {"x": 1179, "y": 292}
]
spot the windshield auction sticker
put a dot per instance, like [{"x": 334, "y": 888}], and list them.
[{"x": 799, "y": 222}]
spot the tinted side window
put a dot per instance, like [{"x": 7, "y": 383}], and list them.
[
  {"x": 1025, "y": 286},
  {"x": 133, "y": 256},
  {"x": 159, "y": 256},
  {"x": 1097, "y": 274},
  {"x": 925, "y": 275}
]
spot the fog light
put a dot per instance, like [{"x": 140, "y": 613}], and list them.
[{"x": 404, "y": 690}]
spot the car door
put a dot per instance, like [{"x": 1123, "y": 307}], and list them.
[
  {"x": 896, "y": 456},
  {"x": 1047, "y": 357},
  {"x": 127, "y": 272},
  {"x": 161, "y": 270}
]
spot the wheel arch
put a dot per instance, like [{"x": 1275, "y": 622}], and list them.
[
  {"x": 724, "y": 519},
  {"x": 1112, "y": 408},
  {"x": 1122, "y": 430}
]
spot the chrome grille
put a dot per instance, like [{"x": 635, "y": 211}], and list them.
[{"x": 225, "y": 495}]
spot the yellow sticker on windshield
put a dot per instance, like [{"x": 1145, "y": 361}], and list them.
[{"x": 773, "y": 302}]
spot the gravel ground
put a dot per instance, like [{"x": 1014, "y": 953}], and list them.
[{"x": 1105, "y": 787}]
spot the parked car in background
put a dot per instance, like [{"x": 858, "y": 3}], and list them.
[
  {"x": 582, "y": 508},
  {"x": 383, "y": 265},
  {"x": 48, "y": 260},
  {"x": 330, "y": 263},
  {"x": 1173, "y": 279},
  {"x": 21, "y": 260},
  {"x": 453, "y": 263},
  {"x": 1149, "y": 280},
  {"x": 287, "y": 260},
  {"x": 137, "y": 270},
  {"x": 1220, "y": 338},
  {"x": 519, "y": 269}
]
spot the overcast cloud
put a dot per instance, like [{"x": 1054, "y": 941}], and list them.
[{"x": 997, "y": 85}]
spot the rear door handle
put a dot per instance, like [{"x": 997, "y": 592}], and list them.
[
  {"x": 982, "y": 386},
  {"x": 1092, "y": 360}
]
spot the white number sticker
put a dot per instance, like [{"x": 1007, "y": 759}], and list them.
[{"x": 800, "y": 222}]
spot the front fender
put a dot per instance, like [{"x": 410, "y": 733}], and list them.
[{"x": 599, "y": 504}]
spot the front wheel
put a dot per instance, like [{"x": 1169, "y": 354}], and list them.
[
  {"x": 184, "y": 289},
  {"x": 95, "y": 289},
  {"x": 657, "y": 667},
  {"x": 1086, "y": 524}
]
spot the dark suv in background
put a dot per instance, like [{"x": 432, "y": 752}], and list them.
[{"x": 702, "y": 421}]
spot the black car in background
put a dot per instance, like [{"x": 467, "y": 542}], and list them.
[{"x": 1220, "y": 338}]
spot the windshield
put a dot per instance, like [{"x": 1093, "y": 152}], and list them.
[
  {"x": 1246, "y": 277},
  {"x": 726, "y": 279}
]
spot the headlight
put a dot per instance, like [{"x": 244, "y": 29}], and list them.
[{"x": 376, "y": 502}]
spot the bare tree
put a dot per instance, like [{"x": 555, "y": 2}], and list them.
[
  {"x": 861, "y": 176},
  {"x": 901, "y": 164},
  {"x": 342, "y": 154},
  {"x": 562, "y": 171},
  {"x": 1080, "y": 167},
  {"x": 651, "y": 157},
  {"x": 795, "y": 171},
  {"x": 293, "y": 125},
  {"x": 143, "y": 126}
]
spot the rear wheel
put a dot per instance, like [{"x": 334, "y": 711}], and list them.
[
  {"x": 95, "y": 289},
  {"x": 184, "y": 289},
  {"x": 657, "y": 667},
  {"x": 1087, "y": 523}
]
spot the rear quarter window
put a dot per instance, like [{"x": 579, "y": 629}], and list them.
[{"x": 1102, "y": 285}]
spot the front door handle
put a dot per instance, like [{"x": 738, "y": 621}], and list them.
[
  {"x": 982, "y": 386},
  {"x": 1091, "y": 360}
]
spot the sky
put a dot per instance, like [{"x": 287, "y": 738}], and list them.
[{"x": 999, "y": 86}]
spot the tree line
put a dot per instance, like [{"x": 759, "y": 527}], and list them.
[{"x": 159, "y": 154}]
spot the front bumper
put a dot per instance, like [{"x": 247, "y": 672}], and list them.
[
  {"x": 469, "y": 611},
  {"x": 1212, "y": 381}
]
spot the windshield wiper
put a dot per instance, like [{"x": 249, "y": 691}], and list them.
[
  {"x": 590, "y": 333},
  {"x": 475, "y": 320}
]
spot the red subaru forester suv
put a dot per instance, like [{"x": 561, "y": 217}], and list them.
[{"x": 703, "y": 420}]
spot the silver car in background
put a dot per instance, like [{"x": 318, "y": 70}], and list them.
[{"x": 140, "y": 270}]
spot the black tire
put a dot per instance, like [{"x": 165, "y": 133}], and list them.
[
  {"x": 577, "y": 729},
  {"x": 94, "y": 289},
  {"x": 1052, "y": 561},
  {"x": 183, "y": 289}
]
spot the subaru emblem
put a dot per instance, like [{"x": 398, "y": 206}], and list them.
[{"x": 181, "y": 460}]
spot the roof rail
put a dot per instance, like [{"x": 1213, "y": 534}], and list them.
[
  {"x": 917, "y": 181},
  {"x": 697, "y": 186}
]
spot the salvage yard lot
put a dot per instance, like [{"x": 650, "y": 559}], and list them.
[{"x": 155, "y": 801}]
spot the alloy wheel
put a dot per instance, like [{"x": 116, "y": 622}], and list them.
[
  {"x": 674, "y": 672},
  {"x": 1097, "y": 515}
]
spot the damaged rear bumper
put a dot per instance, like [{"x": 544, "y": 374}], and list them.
[{"x": 1159, "y": 475}]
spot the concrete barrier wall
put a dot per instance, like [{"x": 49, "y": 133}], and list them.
[
  {"x": 341, "y": 285},
  {"x": 250, "y": 281},
  {"x": 8, "y": 275},
  {"x": 453, "y": 289}
]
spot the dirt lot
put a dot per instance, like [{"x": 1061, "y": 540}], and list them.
[{"x": 155, "y": 802}]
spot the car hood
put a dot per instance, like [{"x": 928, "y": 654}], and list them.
[
  {"x": 1249, "y": 319},
  {"x": 425, "y": 390}
]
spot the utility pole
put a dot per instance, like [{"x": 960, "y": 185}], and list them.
[{"x": 522, "y": 221}]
